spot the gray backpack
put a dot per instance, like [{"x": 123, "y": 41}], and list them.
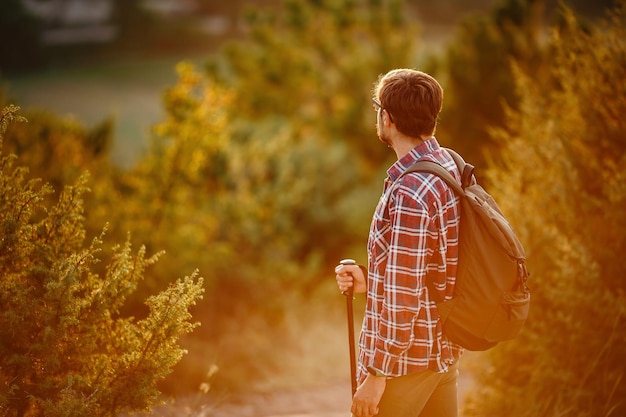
[{"x": 491, "y": 299}]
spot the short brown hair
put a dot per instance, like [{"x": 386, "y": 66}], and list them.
[{"x": 412, "y": 98}]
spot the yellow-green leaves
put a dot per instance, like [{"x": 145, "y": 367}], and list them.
[{"x": 65, "y": 347}]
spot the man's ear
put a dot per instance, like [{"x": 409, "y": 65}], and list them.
[{"x": 386, "y": 119}]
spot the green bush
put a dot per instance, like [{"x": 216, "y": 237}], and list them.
[
  {"x": 478, "y": 77},
  {"x": 255, "y": 207},
  {"x": 314, "y": 64},
  {"x": 65, "y": 348},
  {"x": 47, "y": 139},
  {"x": 562, "y": 185}
]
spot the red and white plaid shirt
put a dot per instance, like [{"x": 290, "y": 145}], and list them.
[{"x": 413, "y": 238}]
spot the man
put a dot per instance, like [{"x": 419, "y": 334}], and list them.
[{"x": 407, "y": 367}]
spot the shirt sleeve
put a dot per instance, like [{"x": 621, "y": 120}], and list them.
[{"x": 404, "y": 278}]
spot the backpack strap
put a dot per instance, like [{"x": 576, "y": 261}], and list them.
[
  {"x": 466, "y": 170},
  {"x": 436, "y": 169}
]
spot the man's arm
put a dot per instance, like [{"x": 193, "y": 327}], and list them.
[{"x": 403, "y": 281}]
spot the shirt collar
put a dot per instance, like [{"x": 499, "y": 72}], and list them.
[{"x": 428, "y": 146}]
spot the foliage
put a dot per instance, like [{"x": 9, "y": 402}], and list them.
[
  {"x": 279, "y": 192},
  {"x": 48, "y": 139},
  {"x": 314, "y": 64},
  {"x": 562, "y": 185},
  {"x": 260, "y": 175},
  {"x": 478, "y": 76},
  {"x": 65, "y": 349},
  {"x": 245, "y": 208}
]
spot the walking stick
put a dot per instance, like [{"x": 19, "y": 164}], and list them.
[{"x": 349, "y": 295}]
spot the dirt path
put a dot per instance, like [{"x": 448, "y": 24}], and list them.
[
  {"x": 329, "y": 401},
  {"x": 332, "y": 400}
]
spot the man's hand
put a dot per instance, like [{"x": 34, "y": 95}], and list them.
[
  {"x": 350, "y": 276},
  {"x": 368, "y": 395}
]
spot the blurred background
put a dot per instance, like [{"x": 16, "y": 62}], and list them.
[{"x": 238, "y": 136}]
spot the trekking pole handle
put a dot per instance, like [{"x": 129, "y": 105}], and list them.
[{"x": 350, "y": 290}]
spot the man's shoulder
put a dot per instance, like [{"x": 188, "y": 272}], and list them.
[
  {"x": 422, "y": 187},
  {"x": 425, "y": 187}
]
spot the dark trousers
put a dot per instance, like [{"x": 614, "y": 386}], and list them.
[{"x": 425, "y": 394}]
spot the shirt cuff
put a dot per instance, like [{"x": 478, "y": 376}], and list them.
[
  {"x": 383, "y": 362},
  {"x": 375, "y": 372}
]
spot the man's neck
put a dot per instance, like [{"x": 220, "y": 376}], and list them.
[{"x": 403, "y": 144}]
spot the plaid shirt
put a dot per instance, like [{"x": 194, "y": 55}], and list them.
[{"x": 413, "y": 238}]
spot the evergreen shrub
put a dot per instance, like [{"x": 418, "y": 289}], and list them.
[{"x": 65, "y": 347}]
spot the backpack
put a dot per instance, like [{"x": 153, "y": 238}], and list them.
[{"x": 491, "y": 299}]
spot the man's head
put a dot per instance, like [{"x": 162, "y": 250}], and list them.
[{"x": 412, "y": 99}]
